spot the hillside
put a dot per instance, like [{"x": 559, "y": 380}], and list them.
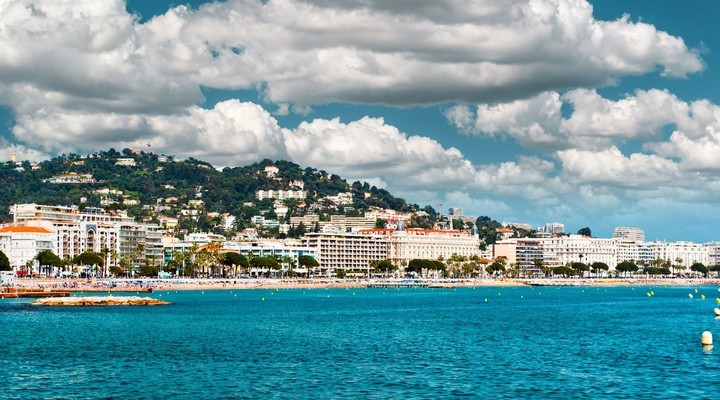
[{"x": 145, "y": 184}]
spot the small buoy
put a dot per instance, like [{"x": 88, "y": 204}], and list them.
[
  {"x": 717, "y": 312},
  {"x": 690, "y": 295},
  {"x": 263, "y": 299},
  {"x": 695, "y": 290},
  {"x": 702, "y": 297},
  {"x": 486, "y": 300},
  {"x": 706, "y": 338}
]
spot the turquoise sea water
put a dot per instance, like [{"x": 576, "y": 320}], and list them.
[{"x": 542, "y": 342}]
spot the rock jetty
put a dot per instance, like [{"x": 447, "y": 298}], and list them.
[{"x": 99, "y": 301}]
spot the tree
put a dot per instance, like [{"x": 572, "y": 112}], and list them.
[
  {"x": 585, "y": 232},
  {"x": 4, "y": 262},
  {"x": 265, "y": 263},
  {"x": 580, "y": 267},
  {"x": 48, "y": 258},
  {"x": 497, "y": 266},
  {"x": 88, "y": 258},
  {"x": 235, "y": 260},
  {"x": 596, "y": 267},
  {"x": 680, "y": 264},
  {"x": 386, "y": 266},
  {"x": 715, "y": 268},
  {"x": 420, "y": 265},
  {"x": 454, "y": 263},
  {"x": 565, "y": 271},
  {"x": 627, "y": 266},
  {"x": 307, "y": 261},
  {"x": 125, "y": 263},
  {"x": 148, "y": 270},
  {"x": 700, "y": 267}
]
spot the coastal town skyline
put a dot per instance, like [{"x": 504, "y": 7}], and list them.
[{"x": 592, "y": 114}]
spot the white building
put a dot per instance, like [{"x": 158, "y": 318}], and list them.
[
  {"x": 350, "y": 252},
  {"x": 630, "y": 234},
  {"x": 430, "y": 244},
  {"x": 554, "y": 227},
  {"x": 713, "y": 253},
  {"x": 71, "y": 178},
  {"x": 559, "y": 251},
  {"x": 94, "y": 229},
  {"x": 281, "y": 194},
  {"x": 126, "y": 162},
  {"x": 21, "y": 244},
  {"x": 678, "y": 253}
]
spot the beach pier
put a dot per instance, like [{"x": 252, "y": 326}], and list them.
[
  {"x": 398, "y": 284},
  {"x": 13, "y": 293}
]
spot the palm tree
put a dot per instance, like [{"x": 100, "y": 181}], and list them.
[
  {"x": 680, "y": 264},
  {"x": 106, "y": 260},
  {"x": 539, "y": 264},
  {"x": 193, "y": 251},
  {"x": 214, "y": 249}
]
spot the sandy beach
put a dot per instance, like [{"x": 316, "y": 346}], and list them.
[{"x": 140, "y": 285}]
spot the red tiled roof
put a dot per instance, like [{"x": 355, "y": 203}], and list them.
[{"x": 24, "y": 229}]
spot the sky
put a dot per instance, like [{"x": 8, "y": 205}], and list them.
[{"x": 591, "y": 113}]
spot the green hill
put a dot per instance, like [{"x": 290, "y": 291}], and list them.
[{"x": 147, "y": 184}]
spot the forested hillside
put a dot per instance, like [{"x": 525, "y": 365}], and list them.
[{"x": 153, "y": 179}]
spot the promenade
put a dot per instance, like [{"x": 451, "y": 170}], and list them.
[{"x": 151, "y": 284}]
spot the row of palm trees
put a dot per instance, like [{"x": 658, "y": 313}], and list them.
[
  {"x": 459, "y": 266},
  {"x": 196, "y": 261},
  {"x": 210, "y": 261}
]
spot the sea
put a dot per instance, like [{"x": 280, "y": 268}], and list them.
[{"x": 369, "y": 343}]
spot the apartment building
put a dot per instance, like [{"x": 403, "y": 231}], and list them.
[
  {"x": 630, "y": 234},
  {"x": 559, "y": 251},
  {"x": 21, "y": 244},
  {"x": 682, "y": 253},
  {"x": 351, "y": 252},
  {"x": 280, "y": 194},
  {"x": 75, "y": 231}
]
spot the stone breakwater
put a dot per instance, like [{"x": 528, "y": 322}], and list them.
[{"x": 99, "y": 301}]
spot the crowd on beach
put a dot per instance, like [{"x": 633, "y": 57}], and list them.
[{"x": 74, "y": 284}]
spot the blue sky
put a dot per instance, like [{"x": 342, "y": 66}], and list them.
[{"x": 597, "y": 114}]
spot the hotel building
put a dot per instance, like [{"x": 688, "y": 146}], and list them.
[
  {"x": 21, "y": 244},
  {"x": 350, "y": 252},
  {"x": 430, "y": 244},
  {"x": 93, "y": 229}
]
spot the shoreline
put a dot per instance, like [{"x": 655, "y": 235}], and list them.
[{"x": 149, "y": 285}]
